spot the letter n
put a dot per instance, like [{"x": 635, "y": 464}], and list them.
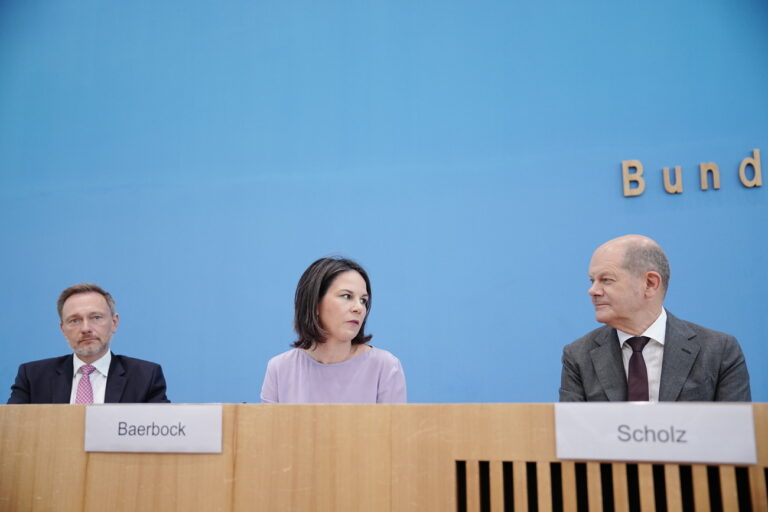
[
  {"x": 757, "y": 180},
  {"x": 704, "y": 169},
  {"x": 677, "y": 188},
  {"x": 632, "y": 177}
]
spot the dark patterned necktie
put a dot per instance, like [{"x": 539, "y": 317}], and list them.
[{"x": 637, "y": 377}]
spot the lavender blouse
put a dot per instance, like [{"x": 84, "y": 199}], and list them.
[{"x": 376, "y": 376}]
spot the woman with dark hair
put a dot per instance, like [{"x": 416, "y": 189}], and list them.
[{"x": 331, "y": 361}]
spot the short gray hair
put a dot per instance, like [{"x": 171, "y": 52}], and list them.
[{"x": 640, "y": 258}]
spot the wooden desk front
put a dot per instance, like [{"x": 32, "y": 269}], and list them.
[{"x": 440, "y": 457}]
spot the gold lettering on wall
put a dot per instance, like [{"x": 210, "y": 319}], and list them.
[
  {"x": 757, "y": 179},
  {"x": 632, "y": 177},
  {"x": 677, "y": 187},
  {"x": 634, "y": 181},
  {"x": 705, "y": 168}
]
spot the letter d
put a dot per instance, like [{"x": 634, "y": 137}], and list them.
[
  {"x": 629, "y": 177},
  {"x": 757, "y": 180}
]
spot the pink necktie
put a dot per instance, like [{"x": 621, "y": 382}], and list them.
[{"x": 84, "y": 389}]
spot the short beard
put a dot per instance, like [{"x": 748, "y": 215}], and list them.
[{"x": 93, "y": 351}]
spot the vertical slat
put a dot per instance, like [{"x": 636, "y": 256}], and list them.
[
  {"x": 700, "y": 488},
  {"x": 674, "y": 491},
  {"x": 497, "y": 486},
  {"x": 757, "y": 488},
  {"x": 645, "y": 477},
  {"x": 473, "y": 486},
  {"x": 520, "y": 483},
  {"x": 620, "y": 492},
  {"x": 728, "y": 488},
  {"x": 594, "y": 487},
  {"x": 569, "y": 486},
  {"x": 544, "y": 484}
]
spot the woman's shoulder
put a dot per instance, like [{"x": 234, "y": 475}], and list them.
[
  {"x": 285, "y": 358},
  {"x": 384, "y": 356}
]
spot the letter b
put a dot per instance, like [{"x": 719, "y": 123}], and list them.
[{"x": 629, "y": 177}]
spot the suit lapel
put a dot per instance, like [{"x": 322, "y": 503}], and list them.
[
  {"x": 61, "y": 384},
  {"x": 606, "y": 359},
  {"x": 680, "y": 352},
  {"x": 115, "y": 381}
]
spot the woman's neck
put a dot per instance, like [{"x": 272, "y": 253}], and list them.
[{"x": 335, "y": 351}]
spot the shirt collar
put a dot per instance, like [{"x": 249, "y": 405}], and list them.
[
  {"x": 101, "y": 364},
  {"x": 657, "y": 330}
]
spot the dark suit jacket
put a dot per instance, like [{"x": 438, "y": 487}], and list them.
[
  {"x": 699, "y": 364},
  {"x": 49, "y": 381}
]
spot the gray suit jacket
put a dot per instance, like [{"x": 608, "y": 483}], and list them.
[{"x": 699, "y": 365}]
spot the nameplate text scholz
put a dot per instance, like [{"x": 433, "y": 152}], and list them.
[
  {"x": 171, "y": 428},
  {"x": 656, "y": 432}
]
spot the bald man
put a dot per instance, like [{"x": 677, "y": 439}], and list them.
[{"x": 643, "y": 352}]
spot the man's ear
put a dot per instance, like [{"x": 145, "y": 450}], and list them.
[{"x": 652, "y": 283}]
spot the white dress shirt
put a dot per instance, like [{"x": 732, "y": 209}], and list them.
[
  {"x": 653, "y": 353},
  {"x": 98, "y": 377}
]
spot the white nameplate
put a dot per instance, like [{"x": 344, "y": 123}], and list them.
[
  {"x": 153, "y": 428},
  {"x": 659, "y": 432}
]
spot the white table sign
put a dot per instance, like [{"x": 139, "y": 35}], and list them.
[
  {"x": 172, "y": 428},
  {"x": 659, "y": 432}
]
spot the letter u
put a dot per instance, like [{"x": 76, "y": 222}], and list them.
[{"x": 677, "y": 188}]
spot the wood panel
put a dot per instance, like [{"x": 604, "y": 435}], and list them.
[
  {"x": 700, "y": 488},
  {"x": 520, "y": 485},
  {"x": 760, "y": 414},
  {"x": 594, "y": 487},
  {"x": 569, "y": 486},
  {"x": 497, "y": 486},
  {"x": 427, "y": 440},
  {"x": 645, "y": 478},
  {"x": 674, "y": 494},
  {"x": 163, "y": 481},
  {"x": 423, "y": 466},
  {"x": 473, "y": 488},
  {"x": 500, "y": 431},
  {"x": 728, "y": 490},
  {"x": 544, "y": 486},
  {"x": 42, "y": 462},
  {"x": 758, "y": 488},
  {"x": 329, "y": 458},
  {"x": 620, "y": 488},
  {"x": 313, "y": 458}
]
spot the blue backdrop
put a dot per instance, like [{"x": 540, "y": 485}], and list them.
[{"x": 194, "y": 157}]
